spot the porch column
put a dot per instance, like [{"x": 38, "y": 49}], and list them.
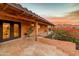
[
  {"x": 36, "y": 31},
  {"x": 51, "y": 27}
]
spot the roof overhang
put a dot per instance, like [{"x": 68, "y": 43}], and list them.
[{"x": 18, "y": 12}]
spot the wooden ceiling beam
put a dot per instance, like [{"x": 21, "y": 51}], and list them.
[
  {"x": 20, "y": 14},
  {"x": 11, "y": 17},
  {"x": 5, "y": 7},
  {"x": 15, "y": 12}
]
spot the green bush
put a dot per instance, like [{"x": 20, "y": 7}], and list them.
[{"x": 63, "y": 35}]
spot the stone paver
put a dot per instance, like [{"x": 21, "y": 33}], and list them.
[
  {"x": 67, "y": 47},
  {"x": 77, "y": 53},
  {"x": 43, "y": 50},
  {"x": 29, "y": 48}
]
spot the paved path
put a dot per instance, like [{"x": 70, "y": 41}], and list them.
[
  {"x": 29, "y": 48},
  {"x": 77, "y": 53},
  {"x": 42, "y": 50}
]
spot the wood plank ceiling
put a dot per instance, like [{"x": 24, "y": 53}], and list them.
[{"x": 16, "y": 11}]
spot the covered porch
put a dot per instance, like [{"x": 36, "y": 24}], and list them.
[{"x": 16, "y": 22}]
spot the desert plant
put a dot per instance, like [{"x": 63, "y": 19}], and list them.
[{"x": 63, "y": 35}]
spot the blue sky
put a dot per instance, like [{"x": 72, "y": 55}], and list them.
[{"x": 50, "y": 9}]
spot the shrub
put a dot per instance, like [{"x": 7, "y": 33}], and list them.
[{"x": 63, "y": 35}]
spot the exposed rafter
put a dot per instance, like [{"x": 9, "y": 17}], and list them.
[{"x": 20, "y": 12}]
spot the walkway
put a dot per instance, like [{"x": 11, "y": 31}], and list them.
[{"x": 29, "y": 48}]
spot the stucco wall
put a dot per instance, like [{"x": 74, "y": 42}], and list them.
[
  {"x": 42, "y": 29},
  {"x": 24, "y": 28}
]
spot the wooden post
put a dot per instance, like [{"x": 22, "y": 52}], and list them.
[
  {"x": 51, "y": 27},
  {"x": 36, "y": 31}
]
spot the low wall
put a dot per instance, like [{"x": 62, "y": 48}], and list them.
[{"x": 67, "y": 47}]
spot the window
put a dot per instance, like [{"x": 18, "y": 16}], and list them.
[
  {"x": 9, "y": 30},
  {"x": 6, "y": 31},
  {"x": 16, "y": 30}
]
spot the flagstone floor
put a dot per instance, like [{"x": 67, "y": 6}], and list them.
[
  {"x": 77, "y": 53},
  {"x": 24, "y": 47}
]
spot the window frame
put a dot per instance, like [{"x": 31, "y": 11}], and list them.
[{"x": 11, "y": 30}]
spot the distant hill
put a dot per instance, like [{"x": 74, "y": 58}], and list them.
[{"x": 60, "y": 20}]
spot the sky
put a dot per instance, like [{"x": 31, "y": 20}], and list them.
[{"x": 50, "y": 10}]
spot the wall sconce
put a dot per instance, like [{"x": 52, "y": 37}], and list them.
[{"x": 32, "y": 25}]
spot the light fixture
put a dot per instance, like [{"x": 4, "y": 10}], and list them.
[{"x": 32, "y": 24}]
